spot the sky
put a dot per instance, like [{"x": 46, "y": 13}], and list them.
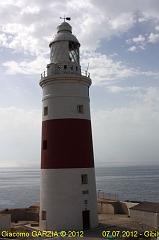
[{"x": 119, "y": 40}]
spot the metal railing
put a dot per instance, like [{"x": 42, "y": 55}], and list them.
[
  {"x": 83, "y": 73},
  {"x": 108, "y": 196},
  {"x": 43, "y": 74}
]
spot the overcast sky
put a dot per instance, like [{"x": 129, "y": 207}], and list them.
[{"x": 120, "y": 41}]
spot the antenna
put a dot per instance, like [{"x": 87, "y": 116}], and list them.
[
  {"x": 86, "y": 72},
  {"x": 87, "y": 67},
  {"x": 65, "y": 18}
]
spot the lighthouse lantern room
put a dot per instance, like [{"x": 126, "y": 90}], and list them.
[{"x": 68, "y": 190}]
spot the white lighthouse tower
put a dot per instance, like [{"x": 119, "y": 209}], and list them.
[{"x": 68, "y": 189}]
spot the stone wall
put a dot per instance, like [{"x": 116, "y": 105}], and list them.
[
  {"x": 5, "y": 222},
  {"x": 106, "y": 208},
  {"x": 23, "y": 214},
  {"x": 111, "y": 207},
  {"x": 147, "y": 218}
]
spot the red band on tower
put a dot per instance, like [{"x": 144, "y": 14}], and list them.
[{"x": 68, "y": 144}]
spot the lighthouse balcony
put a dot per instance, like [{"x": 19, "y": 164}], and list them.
[{"x": 56, "y": 69}]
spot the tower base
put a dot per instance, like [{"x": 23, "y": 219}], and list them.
[{"x": 66, "y": 202}]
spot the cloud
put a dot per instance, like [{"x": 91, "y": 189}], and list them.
[
  {"x": 132, "y": 49},
  {"x": 20, "y": 39},
  {"x": 141, "y": 41},
  {"x": 157, "y": 28},
  {"x": 125, "y": 135},
  {"x": 32, "y": 23},
  {"x": 114, "y": 89},
  {"x": 153, "y": 38},
  {"x": 120, "y": 134},
  {"x": 128, "y": 135},
  {"x": 29, "y": 27},
  {"x": 20, "y": 137},
  {"x": 119, "y": 89},
  {"x": 103, "y": 68},
  {"x": 151, "y": 99},
  {"x": 123, "y": 22},
  {"x": 3, "y": 40},
  {"x": 26, "y": 67}
]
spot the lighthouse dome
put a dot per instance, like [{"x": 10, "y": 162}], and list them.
[
  {"x": 64, "y": 33},
  {"x": 64, "y": 27}
]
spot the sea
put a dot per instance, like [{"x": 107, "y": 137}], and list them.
[{"x": 21, "y": 187}]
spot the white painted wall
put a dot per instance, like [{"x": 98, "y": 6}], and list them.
[
  {"x": 66, "y": 88},
  {"x": 147, "y": 218},
  {"x": 61, "y": 189},
  {"x": 105, "y": 207},
  {"x": 5, "y": 222},
  {"x": 65, "y": 79},
  {"x": 66, "y": 107},
  {"x": 129, "y": 205},
  {"x": 62, "y": 100},
  {"x": 63, "y": 200}
]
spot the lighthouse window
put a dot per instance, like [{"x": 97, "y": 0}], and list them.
[
  {"x": 74, "y": 52},
  {"x": 45, "y": 111},
  {"x": 80, "y": 108},
  {"x": 44, "y": 144},
  {"x": 84, "y": 178},
  {"x": 85, "y": 192},
  {"x": 43, "y": 215}
]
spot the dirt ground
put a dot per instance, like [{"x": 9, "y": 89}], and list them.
[
  {"x": 107, "y": 222},
  {"x": 122, "y": 221}
]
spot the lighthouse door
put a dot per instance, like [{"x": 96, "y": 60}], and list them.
[{"x": 86, "y": 219}]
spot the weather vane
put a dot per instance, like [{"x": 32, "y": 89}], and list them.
[{"x": 65, "y": 18}]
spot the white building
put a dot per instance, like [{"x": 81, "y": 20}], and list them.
[
  {"x": 5, "y": 221},
  {"x": 68, "y": 189},
  {"x": 146, "y": 213}
]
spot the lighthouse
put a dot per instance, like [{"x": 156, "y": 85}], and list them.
[{"x": 68, "y": 198}]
